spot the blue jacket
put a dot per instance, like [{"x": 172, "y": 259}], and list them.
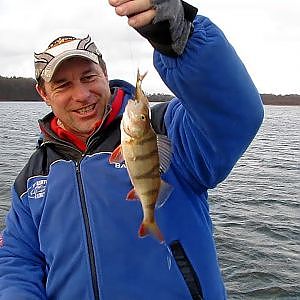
[{"x": 70, "y": 234}]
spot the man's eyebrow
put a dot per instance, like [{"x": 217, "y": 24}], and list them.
[
  {"x": 88, "y": 71},
  {"x": 59, "y": 81}
]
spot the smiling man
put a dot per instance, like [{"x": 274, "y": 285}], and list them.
[
  {"x": 78, "y": 94},
  {"x": 70, "y": 234},
  {"x": 74, "y": 83}
]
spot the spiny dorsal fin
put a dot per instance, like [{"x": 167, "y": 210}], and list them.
[{"x": 164, "y": 146}]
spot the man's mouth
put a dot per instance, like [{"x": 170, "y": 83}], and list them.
[{"x": 85, "y": 110}]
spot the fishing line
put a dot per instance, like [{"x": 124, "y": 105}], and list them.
[{"x": 132, "y": 58}]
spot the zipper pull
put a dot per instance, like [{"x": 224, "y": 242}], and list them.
[{"x": 77, "y": 167}]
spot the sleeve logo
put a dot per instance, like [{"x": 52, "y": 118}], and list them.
[{"x": 37, "y": 190}]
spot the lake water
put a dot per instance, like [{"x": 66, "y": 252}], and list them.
[{"x": 256, "y": 210}]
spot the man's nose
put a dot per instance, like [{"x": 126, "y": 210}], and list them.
[{"x": 80, "y": 92}]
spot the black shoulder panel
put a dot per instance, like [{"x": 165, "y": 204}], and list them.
[
  {"x": 157, "y": 117},
  {"x": 108, "y": 139},
  {"x": 38, "y": 165}
]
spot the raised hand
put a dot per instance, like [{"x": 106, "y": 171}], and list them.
[{"x": 139, "y": 12}]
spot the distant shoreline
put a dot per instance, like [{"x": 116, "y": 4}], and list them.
[
  {"x": 266, "y": 100},
  {"x": 20, "y": 89},
  {"x": 286, "y": 100}
]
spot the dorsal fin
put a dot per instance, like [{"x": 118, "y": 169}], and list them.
[{"x": 164, "y": 147}]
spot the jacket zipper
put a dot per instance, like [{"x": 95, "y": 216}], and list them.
[
  {"x": 187, "y": 270},
  {"x": 88, "y": 234},
  {"x": 83, "y": 202}
]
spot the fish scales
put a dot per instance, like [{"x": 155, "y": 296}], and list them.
[
  {"x": 139, "y": 150},
  {"x": 142, "y": 163}
]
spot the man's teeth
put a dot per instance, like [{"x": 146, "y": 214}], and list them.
[{"x": 86, "y": 109}]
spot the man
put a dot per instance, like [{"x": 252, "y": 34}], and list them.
[{"x": 70, "y": 234}]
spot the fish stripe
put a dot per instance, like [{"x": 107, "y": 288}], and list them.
[
  {"x": 152, "y": 173},
  {"x": 146, "y": 140},
  {"x": 150, "y": 192},
  {"x": 143, "y": 156},
  {"x": 150, "y": 205}
]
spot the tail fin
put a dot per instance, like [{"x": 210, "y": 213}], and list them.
[
  {"x": 146, "y": 228},
  {"x": 140, "y": 77},
  {"x": 138, "y": 88}
]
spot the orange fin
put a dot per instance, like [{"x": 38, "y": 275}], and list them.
[
  {"x": 116, "y": 156},
  {"x": 151, "y": 228},
  {"x": 132, "y": 195}
]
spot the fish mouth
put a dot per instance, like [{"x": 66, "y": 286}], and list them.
[{"x": 86, "y": 109}]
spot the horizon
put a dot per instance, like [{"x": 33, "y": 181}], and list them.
[{"x": 153, "y": 93}]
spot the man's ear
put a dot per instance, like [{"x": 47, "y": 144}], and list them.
[{"x": 41, "y": 91}]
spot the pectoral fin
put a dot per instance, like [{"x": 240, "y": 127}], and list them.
[{"x": 116, "y": 156}]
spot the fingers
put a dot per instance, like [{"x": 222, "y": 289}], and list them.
[
  {"x": 127, "y": 8},
  {"x": 142, "y": 19},
  {"x": 139, "y": 12}
]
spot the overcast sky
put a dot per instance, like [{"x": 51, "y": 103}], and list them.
[{"x": 265, "y": 34}]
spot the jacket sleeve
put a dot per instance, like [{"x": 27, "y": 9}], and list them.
[
  {"x": 218, "y": 110},
  {"x": 22, "y": 264}
]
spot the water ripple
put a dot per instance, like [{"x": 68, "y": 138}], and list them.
[{"x": 255, "y": 211}]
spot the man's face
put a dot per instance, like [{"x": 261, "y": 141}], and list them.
[{"x": 77, "y": 94}]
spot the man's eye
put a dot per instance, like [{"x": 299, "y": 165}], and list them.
[
  {"x": 89, "y": 78},
  {"x": 62, "y": 85}
]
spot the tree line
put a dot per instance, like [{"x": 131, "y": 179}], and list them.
[
  {"x": 23, "y": 89},
  {"x": 18, "y": 89}
]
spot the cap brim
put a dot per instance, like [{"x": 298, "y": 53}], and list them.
[{"x": 50, "y": 69}]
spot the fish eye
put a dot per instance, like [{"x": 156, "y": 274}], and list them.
[{"x": 143, "y": 118}]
